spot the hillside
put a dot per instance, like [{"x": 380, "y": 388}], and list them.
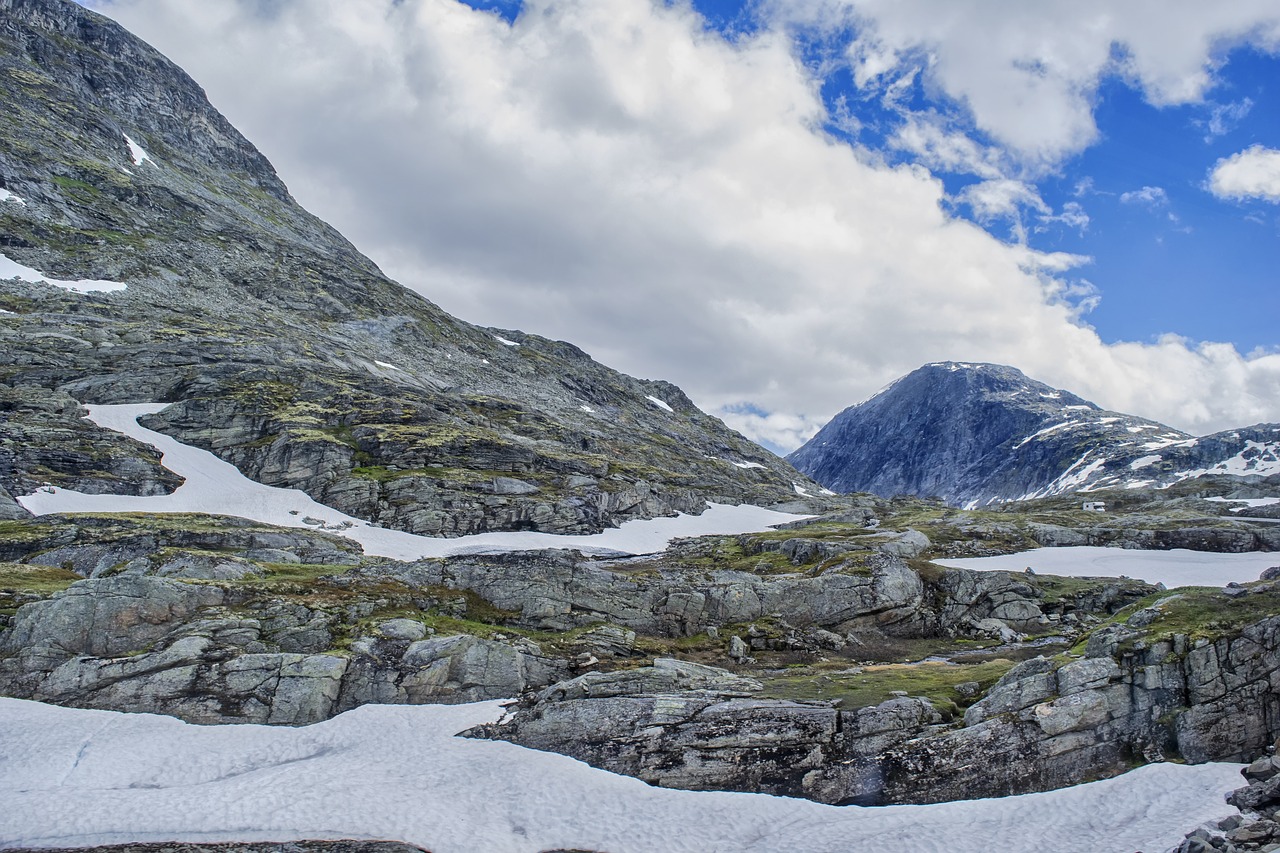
[{"x": 281, "y": 347}]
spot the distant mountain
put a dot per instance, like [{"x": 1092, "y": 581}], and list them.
[
  {"x": 974, "y": 434},
  {"x": 282, "y": 348}
]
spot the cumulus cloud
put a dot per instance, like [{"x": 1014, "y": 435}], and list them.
[
  {"x": 1251, "y": 173},
  {"x": 1028, "y": 72},
  {"x": 616, "y": 175}
]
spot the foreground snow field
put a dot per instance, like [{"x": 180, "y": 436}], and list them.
[
  {"x": 214, "y": 486},
  {"x": 1171, "y": 568},
  {"x": 74, "y": 777}
]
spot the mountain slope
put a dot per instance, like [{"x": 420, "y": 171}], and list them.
[
  {"x": 284, "y": 349},
  {"x": 981, "y": 433}
]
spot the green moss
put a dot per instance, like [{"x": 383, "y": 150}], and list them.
[
  {"x": 25, "y": 531},
  {"x": 42, "y": 580},
  {"x": 859, "y": 687}
]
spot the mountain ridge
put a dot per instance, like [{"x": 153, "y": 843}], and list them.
[{"x": 975, "y": 434}]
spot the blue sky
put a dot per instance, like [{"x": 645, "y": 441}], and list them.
[{"x": 782, "y": 205}]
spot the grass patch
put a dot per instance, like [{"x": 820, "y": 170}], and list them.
[
  {"x": 41, "y": 580},
  {"x": 859, "y": 687}
]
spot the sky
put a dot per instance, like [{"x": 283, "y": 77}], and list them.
[{"x": 783, "y": 205}]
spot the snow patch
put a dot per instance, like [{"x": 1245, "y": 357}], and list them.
[
  {"x": 1143, "y": 462},
  {"x": 2, "y": 311},
  {"x": 661, "y": 404},
  {"x": 217, "y": 487},
  {"x": 801, "y": 491},
  {"x": 387, "y": 365},
  {"x": 1175, "y": 568},
  {"x": 584, "y": 407},
  {"x": 73, "y": 777},
  {"x": 744, "y": 464},
  {"x": 5, "y": 195},
  {"x": 138, "y": 155},
  {"x": 1054, "y": 396},
  {"x": 1105, "y": 421},
  {"x": 1248, "y": 502},
  {"x": 505, "y": 342},
  {"x": 1044, "y": 431},
  {"x": 12, "y": 269}
]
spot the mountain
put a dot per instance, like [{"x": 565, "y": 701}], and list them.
[
  {"x": 975, "y": 434},
  {"x": 184, "y": 272}
]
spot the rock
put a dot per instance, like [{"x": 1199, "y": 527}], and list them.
[
  {"x": 667, "y": 675},
  {"x": 1270, "y": 574},
  {"x": 107, "y": 616},
  {"x": 738, "y": 649},
  {"x": 402, "y": 629}
]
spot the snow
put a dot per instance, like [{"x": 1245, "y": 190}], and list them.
[
  {"x": 1044, "y": 431},
  {"x": 584, "y": 407},
  {"x": 744, "y": 464},
  {"x": 1248, "y": 502},
  {"x": 2, "y": 311},
  {"x": 135, "y": 151},
  {"x": 217, "y": 487},
  {"x": 1174, "y": 568},
  {"x": 1106, "y": 421},
  {"x": 661, "y": 404},
  {"x": 12, "y": 269},
  {"x": 801, "y": 491},
  {"x": 1143, "y": 462},
  {"x": 1054, "y": 396},
  {"x": 387, "y": 365},
  {"x": 71, "y": 777},
  {"x": 505, "y": 342},
  {"x": 1078, "y": 407},
  {"x": 5, "y": 195}
]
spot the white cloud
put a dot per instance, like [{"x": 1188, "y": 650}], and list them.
[
  {"x": 1147, "y": 196},
  {"x": 1223, "y": 118},
  {"x": 1002, "y": 198},
  {"x": 1073, "y": 215},
  {"x": 1251, "y": 173},
  {"x": 615, "y": 175},
  {"x": 1028, "y": 72}
]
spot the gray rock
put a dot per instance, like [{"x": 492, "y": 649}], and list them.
[{"x": 402, "y": 629}]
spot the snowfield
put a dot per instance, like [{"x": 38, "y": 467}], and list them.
[
  {"x": 74, "y": 777},
  {"x": 10, "y": 268},
  {"x": 1171, "y": 568},
  {"x": 217, "y": 487}
]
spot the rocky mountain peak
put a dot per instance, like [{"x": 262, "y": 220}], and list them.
[{"x": 974, "y": 434}]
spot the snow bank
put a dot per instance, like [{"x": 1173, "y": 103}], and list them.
[
  {"x": 12, "y": 269},
  {"x": 217, "y": 487},
  {"x": 661, "y": 404},
  {"x": 138, "y": 155},
  {"x": 506, "y": 343},
  {"x": 1171, "y": 568},
  {"x": 73, "y": 777},
  {"x": 5, "y": 195}
]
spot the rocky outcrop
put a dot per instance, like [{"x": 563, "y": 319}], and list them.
[
  {"x": 558, "y": 590},
  {"x": 1138, "y": 696},
  {"x": 142, "y": 643}
]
